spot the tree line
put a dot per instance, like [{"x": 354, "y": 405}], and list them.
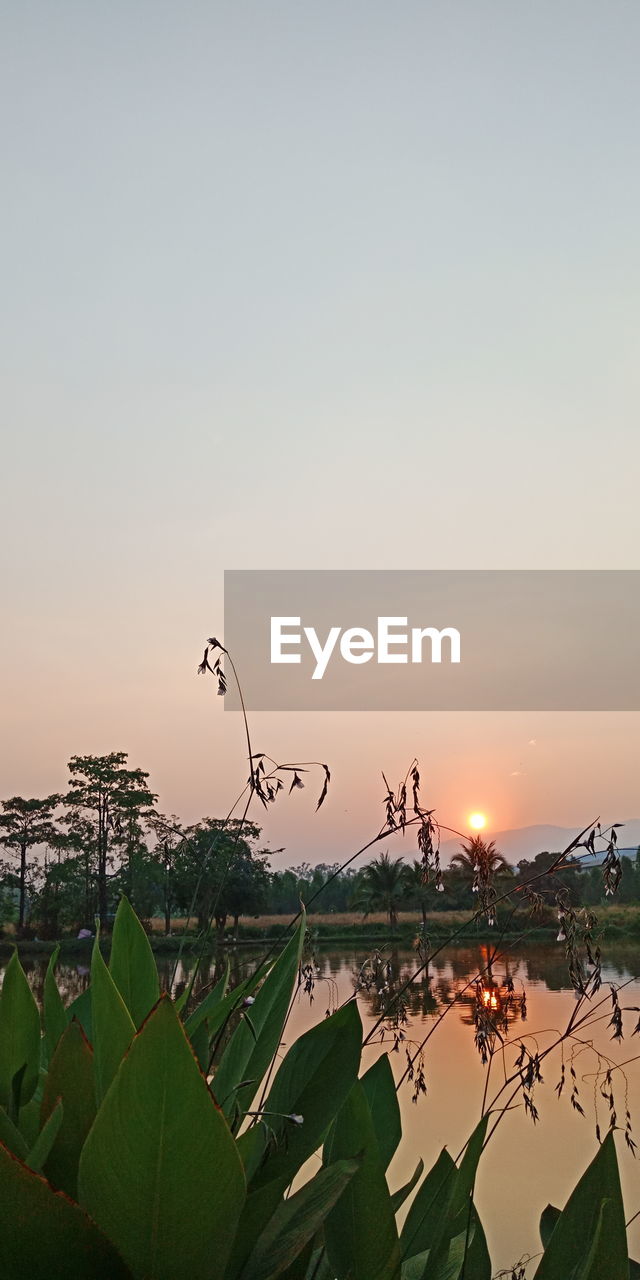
[{"x": 69, "y": 857}]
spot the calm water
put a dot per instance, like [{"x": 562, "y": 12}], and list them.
[{"x": 524, "y": 1166}]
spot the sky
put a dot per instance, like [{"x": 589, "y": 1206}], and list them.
[{"x": 309, "y": 286}]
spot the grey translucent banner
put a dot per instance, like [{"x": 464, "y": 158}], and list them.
[{"x": 440, "y": 640}]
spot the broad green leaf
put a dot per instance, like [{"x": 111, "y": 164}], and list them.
[
  {"x": 548, "y": 1221},
  {"x": 360, "y": 1231},
  {"x": 313, "y": 1081},
  {"x": 380, "y": 1091},
  {"x": 597, "y": 1264},
  {"x": 296, "y": 1221},
  {"x": 250, "y": 1050},
  {"x": 443, "y": 1198},
  {"x": 217, "y": 1010},
  {"x": 11, "y": 1136},
  {"x": 415, "y": 1268},
  {"x": 200, "y": 1046},
  {"x": 478, "y": 1265},
  {"x": 468, "y": 1167},
  {"x": 451, "y": 1263},
  {"x": 429, "y": 1207},
  {"x": 39, "y": 1152},
  {"x": 260, "y": 1206},
  {"x": 19, "y": 1036},
  {"x": 398, "y": 1197},
  {"x": 29, "y": 1119},
  {"x": 573, "y": 1243},
  {"x": 319, "y": 1268},
  {"x": 80, "y": 1009},
  {"x": 54, "y": 1013},
  {"x": 300, "y": 1267},
  {"x": 216, "y": 994},
  {"x": 132, "y": 964},
  {"x": 252, "y": 1146},
  {"x": 113, "y": 1029},
  {"x": 467, "y": 1245},
  {"x": 70, "y": 1078},
  {"x": 160, "y": 1172},
  {"x": 46, "y": 1236}
]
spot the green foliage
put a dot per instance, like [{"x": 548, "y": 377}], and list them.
[
  {"x": 172, "y": 1205},
  {"x": 398, "y": 1198},
  {"x": 380, "y": 1091},
  {"x": 132, "y": 965},
  {"x": 112, "y": 1027},
  {"x": 25, "y": 824},
  {"x": 313, "y": 1081},
  {"x": 160, "y": 1181},
  {"x": 11, "y": 1137},
  {"x": 105, "y": 807},
  {"x": 69, "y": 1079},
  {"x": 360, "y": 1232},
  {"x": 217, "y": 870},
  {"x": 382, "y": 887},
  {"x": 548, "y": 1220},
  {"x": 588, "y": 1240},
  {"x": 41, "y": 1148},
  {"x": 53, "y": 1011},
  {"x": 296, "y": 1221},
  {"x": 441, "y": 1208},
  {"x": 19, "y": 1038},
  {"x": 258, "y": 1035},
  {"x": 216, "y": 1007},
  {"x": 47, "y": 1237}
]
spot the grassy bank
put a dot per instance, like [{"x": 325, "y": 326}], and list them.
[{"x": 349, "y": 928}]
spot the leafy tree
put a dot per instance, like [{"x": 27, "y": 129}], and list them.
[
  {"x": 419, "y": 890},
  {"x": 25, "y": 825},
  {"x": 59, "y": 893},
  {"x": 212, "y": 861},
  {"x": 160, "y": 863},
  {"x": 295, "y": 884},
  {"x": 382, "y": 887},
  {"x": 568, "y": 877},
  {"x": 284, "y": 892},
  {"x": 104, "y": 806},
  {"x": 245, "y": 891}
]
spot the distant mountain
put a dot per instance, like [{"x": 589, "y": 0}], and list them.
[{"x": 526, "y": 842}]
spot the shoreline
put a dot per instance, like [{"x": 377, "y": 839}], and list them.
[{"x": 614, "y": 924}]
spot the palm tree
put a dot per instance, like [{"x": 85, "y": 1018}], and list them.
[
  {"x": 478, "y": 856},
  {"x": 382, "y": 887},
  {"x": 419, "y": 889}
]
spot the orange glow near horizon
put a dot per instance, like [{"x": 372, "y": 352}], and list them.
[{"x": 478, "y": 821}]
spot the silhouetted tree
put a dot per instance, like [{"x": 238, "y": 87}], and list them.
[
  {"x": 103, "y": 807},
  {"x": 478, "y": 855},
  {"x": 382, "y": 887},
  {"x": 24, "y": 825}
]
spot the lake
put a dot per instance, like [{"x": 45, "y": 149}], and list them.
[{"x": 525, "y": 1165}]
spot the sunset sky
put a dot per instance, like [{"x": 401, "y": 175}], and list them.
[{"x": 309, "y": 287}]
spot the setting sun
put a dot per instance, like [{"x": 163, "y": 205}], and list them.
[{"x": 477, "y": 821}]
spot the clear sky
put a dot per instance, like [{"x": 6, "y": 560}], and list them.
[{"x": 327, "y": 285}]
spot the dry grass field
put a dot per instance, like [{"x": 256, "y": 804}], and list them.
[
  {"x": 344, "y": 918},
  {"x": 623, "y": 917}
]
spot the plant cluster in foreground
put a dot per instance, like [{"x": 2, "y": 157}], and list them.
[{"x": 142, "y": 1137}]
